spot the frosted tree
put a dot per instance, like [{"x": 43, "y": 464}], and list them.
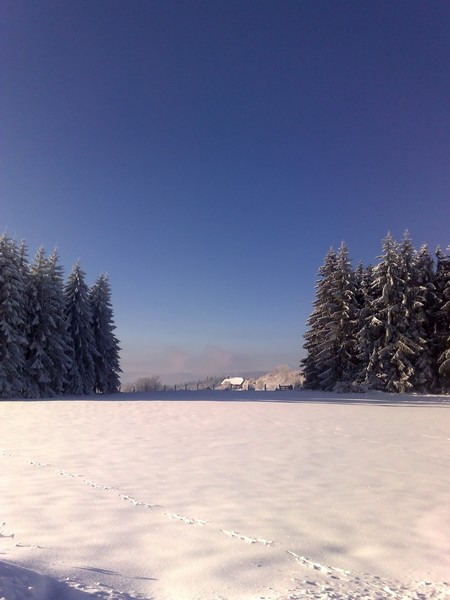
[
  {"x": 395, "y": 346},
  {"x": 106, "y": 360},
  {"x": 48, "y": 351},
  {"x": 81, "y": 376},
  {"x": 39, "y": 330},
  {"x": 313, "y": 364},
  {"x": 367, "y": 329},
  {"x": 442, "y": 322},
  {"x": 331, "y": 337},
  {"x": 337, "y": 348},
  {"x": 59, "y": 343},
  {"x": 12, "y": 318},
  {"x": 425, "y": 306}
]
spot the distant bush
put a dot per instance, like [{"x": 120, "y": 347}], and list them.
[
  {"x": 148, "y": 384},
  {"x": 281, "y": 375}
]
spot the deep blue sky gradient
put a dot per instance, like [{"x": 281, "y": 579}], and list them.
[{"x": 206, "y": 154}]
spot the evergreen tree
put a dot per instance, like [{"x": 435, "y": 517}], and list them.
[
  {"x": 442, "y": 328},
  {"x": 12, "y": 319},
  {"x": 424, "y": 293},
  {"x": 360, "y": 274},
  {"x": 106, "y": 361},
  {"x": 414, "y": 315},
  {"x": 339, "y": 322},
  {"x": 394, "y": 349},
  {"x": 37, "y": 361},
  {"x": 81, "y": 376},
  {"x": 367, "y": 325},
  {"x": 331, "y": 338},
  {"x": 313, "y": 364},
  {"x": 59, "y": 343}
]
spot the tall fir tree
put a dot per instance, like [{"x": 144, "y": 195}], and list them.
[
  {"x": 423, "y": 293},
  {"x": 107, "y": 360},
  {"x": 59, "y": 346},
  {"x": 81, "y": 376},
  {"x": 367, "y": 328},
  {"x": 393, "y": 347},
  {"x": 413, "y": 311},
  {"x": 442, "y": 332},
  {"x": 38, "y": 363},
  {"x": 313, "y": 364},
  {"x": 12, "y": 319},
  {"x": 340, "y": 311}
]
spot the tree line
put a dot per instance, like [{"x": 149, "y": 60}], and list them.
[
  {"x": 384, "y": 327},
  {"x": 56, "y": 338}
]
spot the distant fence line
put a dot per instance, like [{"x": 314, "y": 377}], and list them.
[{"x": 212, "y": 388}]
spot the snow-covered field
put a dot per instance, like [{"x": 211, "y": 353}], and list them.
[{"x": 217, "y": 495}]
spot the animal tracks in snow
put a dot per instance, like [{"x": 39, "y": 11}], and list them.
[
  {"x": 93, "y": 484},
  {"x": 247, "y": 539},
  {"x": 333, "y": 572},
  {"x": 185, "y": 520},
  {"x": 136, "y": 502},
  {"x": 332, "y": 583},
  {"x": 327, "y": 583}
]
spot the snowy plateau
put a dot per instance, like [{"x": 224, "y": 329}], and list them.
[{"x": 225, "y": 496}]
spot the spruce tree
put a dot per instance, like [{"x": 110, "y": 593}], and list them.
[
  {"x": 442, "y": 333},
  {"x": 367, "y": 327},
  {"x": 314, "y": 362},
  {"x": 395, "y": 346},
  {"x": 340, "y": 318},
  {"x": 414, "y": 317},
  {"x": 59, "y": 343},
  {"x": 106, "y": 361},
  {"x": 12, "y": 319},
  {"x": 425, "y": 304},
  {"x": 81, "y": 376},
  {"x": 39, "y": 330}
]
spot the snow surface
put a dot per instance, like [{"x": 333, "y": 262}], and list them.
[{"x": 225, "y": 495}]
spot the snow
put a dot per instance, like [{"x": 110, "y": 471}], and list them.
[
  {"x": 225, "y": 495},
  {"x": 233, "y": 381}
]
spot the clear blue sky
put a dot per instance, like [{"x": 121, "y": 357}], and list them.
[{"x": 206, "y": 154}]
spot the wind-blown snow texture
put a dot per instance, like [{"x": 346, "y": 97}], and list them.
[{"x": 240, "y": 495}]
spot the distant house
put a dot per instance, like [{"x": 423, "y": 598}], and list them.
[{"x": 233, "y": 383}]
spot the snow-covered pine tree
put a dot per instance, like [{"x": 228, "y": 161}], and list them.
[
  {"x": 12, "y": 319},
  {"x": 442, "y": 329},
  {"x": 58, "y": 345},
  {"x": 360, "y": 274},
  {"x": 425, "y": 309},
  {"x": 106, "y": 361},
  {"x": 312, "y": 365},
  {"x": 413, "y": 310},
  {"x": 81, "y": 376},
  {"x": 395, "y": 346},
  {"x": 367, "y": 333},
  {"x": 39, "y": 330},
  {"x": 338, "y": 345}
]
